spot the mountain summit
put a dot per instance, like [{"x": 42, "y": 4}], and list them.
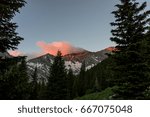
[{"x": 73, "y": 61}]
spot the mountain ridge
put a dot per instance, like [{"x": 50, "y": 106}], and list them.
[{"x": 72, "y": 61}]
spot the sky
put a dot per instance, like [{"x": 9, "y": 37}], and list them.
[{"x": 53, "y": 24}]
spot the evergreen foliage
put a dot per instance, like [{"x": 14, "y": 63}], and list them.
[
  {"x": 82, "y": 81},
  {"x": 9, "y": 38},
  {"x": 14, "y": 81},
  {"x": 123, "y": 75},
  {"x": 13, "y": 71},
  {"x": 42, "y": 90},
  {"x": 132, "y": 70},
  {"x": 96, "y": 79},
  {"x": 57, "y": 81},
  {"x": 34, "y": 85},
  {"x": 100, "y": 76},
  {"x": 70, "y": 82}
]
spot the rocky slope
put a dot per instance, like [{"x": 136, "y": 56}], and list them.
[{"x": 73, "y": 61}]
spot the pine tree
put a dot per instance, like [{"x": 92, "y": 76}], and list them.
[
  {"x": 14, "y": 82},
  {"x": 42, "y": 91},
  {"x": 82, "y": 81},
  {"x": 34, "y": 86},
  {"x": 9, "y": 38},
  {"x": 132, "y": 71},
  {"x": 70, "y": 81},
  {"x": 23, "y": 80},
  {"x": 13, "y": 79},
  {"x": 75, "y": 88},
  {"x": 146, "y": 49},
  {"x": 57, "y": 82}
]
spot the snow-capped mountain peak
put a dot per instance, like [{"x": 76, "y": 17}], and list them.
[{"x": 72, "y": 61}]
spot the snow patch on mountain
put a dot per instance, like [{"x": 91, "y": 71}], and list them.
[
  {"x": 75, "y": 66},
  {"x": 38, "y": 65},
  {"x": 90, "y": 66},
  {"x": 72, "y": 61}
]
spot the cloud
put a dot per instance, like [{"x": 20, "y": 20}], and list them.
[
  {"x": 15, "y": 53},
  {"x": 31, "y": 55},
  {"x": 52, "y": 48}
]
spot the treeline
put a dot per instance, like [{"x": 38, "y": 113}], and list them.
[{"x": 63, "y": 84}]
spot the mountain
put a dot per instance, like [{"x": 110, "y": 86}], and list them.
[{"x": 72, "y": 61}]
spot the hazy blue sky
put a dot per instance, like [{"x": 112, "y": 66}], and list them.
[{"x": 83, "y": 23}]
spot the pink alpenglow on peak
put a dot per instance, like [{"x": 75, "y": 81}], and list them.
[{"x": 63, "y": 46}]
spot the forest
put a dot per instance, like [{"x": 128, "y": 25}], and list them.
[{"x": 124, "y": 75}]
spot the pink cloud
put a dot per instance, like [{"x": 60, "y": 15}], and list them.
[
  {"x": 15, "y": 53},
  {"x": 52, "y": 48},
  {"x": 30, "y": 55}
]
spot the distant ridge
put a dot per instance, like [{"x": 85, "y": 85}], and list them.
[{"x": 73, "y": 61}]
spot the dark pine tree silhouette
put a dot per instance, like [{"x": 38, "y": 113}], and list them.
[
  {"x": 57, "y": 81},
  {"x": 146, "y": 53},
  {"x": 70, "y": 82},
  {"x": 82, "y": 81},
  {"x": 13, "y": 76},
  {"x": 14, "y": 81},
  {"x": 34, "y": 85},
  {"x": 132, "y": 71},
  {"x": 23, "y": 80},
  {"x": 75, "y": 88},
  {"x": 9, "y": 38}
]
